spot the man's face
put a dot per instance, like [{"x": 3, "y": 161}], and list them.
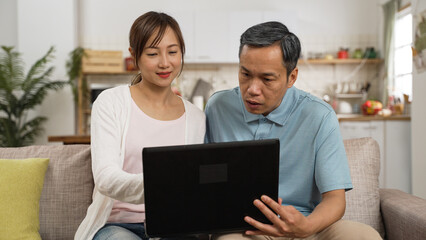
[{"x": 263, "y": 78}]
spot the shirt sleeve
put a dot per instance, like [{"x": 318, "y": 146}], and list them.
[
  {"x": 106, "y": 139},
  {"x": 207, "y": 138},
  {"x": 331, "y": 164}
]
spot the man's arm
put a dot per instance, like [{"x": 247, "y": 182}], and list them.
[
  {"x": 292, "y": 223},
  {"x": 331, "y": 209}
]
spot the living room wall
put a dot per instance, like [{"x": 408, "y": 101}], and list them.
[
  {"x": 8, "y": 23},
  {"x": 418, "y": 122},
  {"x": 32, "y": 27}
]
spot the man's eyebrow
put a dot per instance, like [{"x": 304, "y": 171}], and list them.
[
  {"x": 244, "y": 69},
  {"x": 270, "y": 74},
  {"x": 266, "y": 74}
]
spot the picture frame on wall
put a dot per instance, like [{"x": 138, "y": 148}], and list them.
[{"x": 419, "y": 48}]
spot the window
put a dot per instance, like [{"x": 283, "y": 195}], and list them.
[{"x": 403, "y": 64}]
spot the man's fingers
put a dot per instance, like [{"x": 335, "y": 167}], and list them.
[
  {"x": 276, "y": 207},
  {"x": 254, "y": 232},
  {"x": 264, "y": 229},
  {"x": 272, "y": 216}
]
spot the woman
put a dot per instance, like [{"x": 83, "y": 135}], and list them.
[{"x": 127, "y": 118}]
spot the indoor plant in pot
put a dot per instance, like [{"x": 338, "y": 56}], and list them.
[
  {"x": 20, "y": 93},
  {"x": 74, "y": 70}
]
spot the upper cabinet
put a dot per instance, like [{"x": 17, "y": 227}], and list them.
[
  {"x": 211, "y": 37},
  {"x": 238, "y": 23},
  {"x": 205, "y": 34},
  {"x": 214, "y": 37},
  {"x": 186, "y": 21}
]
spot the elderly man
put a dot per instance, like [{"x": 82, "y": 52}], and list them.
[{"x": 314, "y": 172}]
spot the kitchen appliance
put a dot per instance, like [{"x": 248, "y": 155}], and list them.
[
  {"x": 97, "y": 88},
  {"x": 343, "y": 53},
  {"x": 202, "y": 88},
  {"x": 349, "y": 103},
  {"x": 344, "y": 107}
]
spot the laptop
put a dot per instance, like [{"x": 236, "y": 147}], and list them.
[{"x": 207, "y": 188}]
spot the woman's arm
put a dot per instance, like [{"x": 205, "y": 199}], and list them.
[{"x": 106, "y": 143}]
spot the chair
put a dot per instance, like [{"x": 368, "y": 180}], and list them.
[{"x": 394, "y": 214}]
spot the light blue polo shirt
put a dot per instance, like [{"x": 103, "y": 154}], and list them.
[{"x": 312, "y": 155}]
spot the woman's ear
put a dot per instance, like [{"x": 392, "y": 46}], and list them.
[{"x": 131, "y": 52}]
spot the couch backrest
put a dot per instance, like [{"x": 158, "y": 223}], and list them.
[
  {"x": 68, "y": 185},
  {"x": 67, "y": 190},
  {"x": 363, "y": 201}
]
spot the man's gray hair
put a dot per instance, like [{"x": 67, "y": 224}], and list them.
[{"x": 268, "y": 33}]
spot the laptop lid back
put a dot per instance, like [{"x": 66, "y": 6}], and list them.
[{"x": 207, "y": 188}]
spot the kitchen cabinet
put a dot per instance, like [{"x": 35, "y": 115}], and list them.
[
  {"x": 186, "y": 21},
  {"x": 199, "y": 28},
  {"x": 206, "y": 35},
  {"x": 214, "y": 37},
  {"x": 211, "y": 36},
  {"x": 393, "y": 137},
  {"x": 398, "y": 154},
  {"x": 239, "y": 22}
]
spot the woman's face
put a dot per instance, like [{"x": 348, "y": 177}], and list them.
[{"x": 160, "y": 65}]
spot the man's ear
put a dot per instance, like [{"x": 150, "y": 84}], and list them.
[{"x": 292, "y": 77}]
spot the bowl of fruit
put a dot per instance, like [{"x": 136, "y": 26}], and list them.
[{"x": 371, "y": 107}]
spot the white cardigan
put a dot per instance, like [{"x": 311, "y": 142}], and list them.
[{"x": 110, "y": 120}]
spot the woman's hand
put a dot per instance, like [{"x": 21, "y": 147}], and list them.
[{"x": 289, "y": 222}]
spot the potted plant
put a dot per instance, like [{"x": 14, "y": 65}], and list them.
[
  {"x": 74, "y": 70},
  {"x": 20, "y": 93}
]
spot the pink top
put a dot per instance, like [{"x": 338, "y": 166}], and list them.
[{"x": 144, "y": 131}]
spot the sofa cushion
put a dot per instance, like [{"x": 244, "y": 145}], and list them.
[
  {"x": 21, "y": 185},
  {"x": 67, "y": 190},
  {"x": 363, "y": 201}
]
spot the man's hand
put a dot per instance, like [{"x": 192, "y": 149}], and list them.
[{"x": 290, "y": 222}]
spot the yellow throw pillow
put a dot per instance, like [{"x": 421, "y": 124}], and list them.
[{"x": 21, "y": 183}]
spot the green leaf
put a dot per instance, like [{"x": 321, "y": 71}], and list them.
[
  {"x": 38, "y": 68},
  {"x": 31, "y": 129},
  {"x": 9, "y": 133}
]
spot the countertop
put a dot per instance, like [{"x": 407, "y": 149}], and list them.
[
  {"x": 85, "y": 139},
  {"x": 360, "y": 117}
]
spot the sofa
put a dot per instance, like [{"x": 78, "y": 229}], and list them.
[{"x": 68, "y": 186}]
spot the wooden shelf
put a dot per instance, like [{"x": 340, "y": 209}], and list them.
[
  {"x": 349, "y": 95},
  {"x": 71, "y": 139},
  {"x": 340, "y": 61},
  {"x": 83, "y": 109},
  {"x": 112, "y": 73}
]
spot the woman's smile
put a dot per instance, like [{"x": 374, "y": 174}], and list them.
[{"x": 164, "y": 74}]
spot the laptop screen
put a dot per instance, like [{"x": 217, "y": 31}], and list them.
[{"x": 207, "y": 188}]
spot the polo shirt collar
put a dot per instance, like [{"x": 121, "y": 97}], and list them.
[{"x": 278, "y": 115}]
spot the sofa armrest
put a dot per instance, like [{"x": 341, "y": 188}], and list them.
[{"x": 404, "y": 215}]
